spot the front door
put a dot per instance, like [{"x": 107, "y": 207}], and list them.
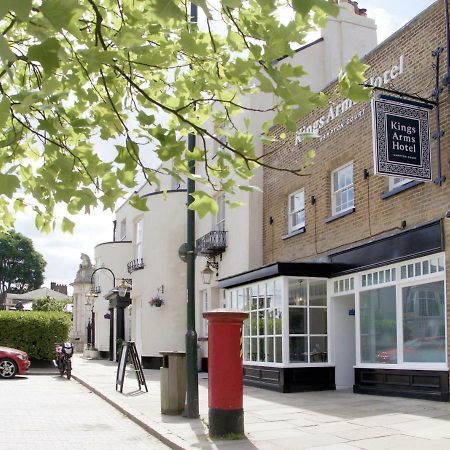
[{"x": 344, "y": 340}]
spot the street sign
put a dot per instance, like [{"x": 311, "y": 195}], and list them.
[{"x": 401, "y": 138}]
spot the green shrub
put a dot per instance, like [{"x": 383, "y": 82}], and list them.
[{"x": 34, "y": 332}]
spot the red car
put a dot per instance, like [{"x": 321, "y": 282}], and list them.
[{"x": 13, "y": 362}]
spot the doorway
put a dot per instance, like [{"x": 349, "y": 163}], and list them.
[{"x": 344, "y": 340}]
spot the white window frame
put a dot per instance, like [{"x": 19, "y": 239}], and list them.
[
  {"x": 205, "y": 307},
  {"x": 400, "y": 283},
  {"x": 219, "y": 224},
  {"x": 139, "y": 238},
  {"x": 396, "y": 182},
  {"x": 123, "y": 229},
  {"x": 334, "y": 193},
  {"x": 291, "y": 211}
]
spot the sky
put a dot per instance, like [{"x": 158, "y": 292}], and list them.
[{"x": 62, "y": 251}]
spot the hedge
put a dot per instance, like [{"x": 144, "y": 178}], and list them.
[{"x": 34, "y": 332}]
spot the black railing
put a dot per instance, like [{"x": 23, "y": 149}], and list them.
[
  {"x": 135, "y": 264},
  {"x": 212, "y": 243}
]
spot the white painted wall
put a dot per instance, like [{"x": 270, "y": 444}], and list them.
[
  {"x": 113, "y": 255},
  {"x": 164, "y": 231}
]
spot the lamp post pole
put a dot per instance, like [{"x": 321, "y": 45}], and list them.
[
  {"x": 91, "y": 326},
  {"x": 191, "y": 334}
]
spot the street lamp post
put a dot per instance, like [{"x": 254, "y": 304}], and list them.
[
  {"x": 122, "y": 290},
  {"x": 192, "y": 410}
]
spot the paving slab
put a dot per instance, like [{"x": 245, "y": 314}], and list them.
[{"x": 329, "y": 420}]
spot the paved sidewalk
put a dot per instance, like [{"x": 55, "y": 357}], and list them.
[{"x": 332, "y": 420}]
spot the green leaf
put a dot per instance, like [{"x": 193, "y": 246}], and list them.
[
  {"x": 232, "y": 3},
  {"x": 8, "y": 184},
  {"x": 58, "y": 12},
  {"x": 47, "y": 54},
  {"x": 6, "y": 54},
  {"x": 5, "y": 104},
  {"x": 22, "y": 8},
  {"x": 67, "y": 225},
  {"x": 166, "y": 10},
  {"x": 351, "y": 82},
  {"x": 138, "y": 202},
  {"x": 203, "y": 204},
  {"x": 305, "y": 6}
]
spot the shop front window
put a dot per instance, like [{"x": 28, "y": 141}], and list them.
[
  {"x": 378, "y": 326},
  {"x": 307, "y": 321},
  {"x": 262, "y": 331},
  {"x": 424, "y": 323}
]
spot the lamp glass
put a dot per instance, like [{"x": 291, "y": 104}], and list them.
[
  {"x": 122, "y": 288},
  {"x": 207, "y": 274}
]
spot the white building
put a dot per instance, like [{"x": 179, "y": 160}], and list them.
[{"x": 145, "y": 245}]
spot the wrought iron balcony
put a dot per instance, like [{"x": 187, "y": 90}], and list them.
[
  {"x": 212, "y": 244},
  {"x": 135, "y": 264}
]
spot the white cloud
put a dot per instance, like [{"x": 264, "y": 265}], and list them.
[
  {"x": 62, "y": 250},
  {"x": 387, "y": 23}
]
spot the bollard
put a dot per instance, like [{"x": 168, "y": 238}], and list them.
[{"x": 225, "y": 385}]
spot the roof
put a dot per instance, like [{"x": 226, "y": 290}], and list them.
[{"x": 39, "y": 293}]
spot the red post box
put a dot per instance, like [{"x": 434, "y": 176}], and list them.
[{"x": 225, "y": 385}]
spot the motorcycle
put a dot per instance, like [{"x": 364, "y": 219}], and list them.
[{"x": 63, "y": 355}]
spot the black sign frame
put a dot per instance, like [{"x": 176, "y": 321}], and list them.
[
  {"x": 129, "y": 351},
  {"x": 401, "y": 138}
]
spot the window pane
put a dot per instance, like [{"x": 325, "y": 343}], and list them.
[
  {"x": 319, "y": 352},
  {"x": 278, "y": 321},
  {"x": 317, "y": 321},
  {"x": 254, "y": 323},
  {"x": 262, "y": 350},
  {"x": 378, "y": 326},
  {"x": 297, "y": 320},
  {"x": 298, "y": 349},
  {"x": 278, "y": 350},
  {"x": 318, "y": 292},
  {"x": 253, "y": 348},
  {"x": 270, "y": 353},
  {"x": 246, "y": 349},
  {"x": 269, "y": 321},
  {"x": 297, "y": 292},
  {"x": 424, "y": 323},
  {"x": 261, "y": 331}
]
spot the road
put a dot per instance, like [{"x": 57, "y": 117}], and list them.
[{"x": 48, "y": 412}]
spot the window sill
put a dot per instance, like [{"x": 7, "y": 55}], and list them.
[
  {"x": 399, "y": 189},
  {"x": 338, "y": 216},
  {"x": 293, "y": 233}
]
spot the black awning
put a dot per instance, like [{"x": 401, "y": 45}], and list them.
[
  {"x": 299, "y": 269},
  {"x": 420, "y": 241}
]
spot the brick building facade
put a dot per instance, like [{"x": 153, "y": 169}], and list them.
[{"x": 359, "y": 298}]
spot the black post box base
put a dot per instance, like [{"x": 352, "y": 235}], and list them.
[{"x": 225, "y": 423}]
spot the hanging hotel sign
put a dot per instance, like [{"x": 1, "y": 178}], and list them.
[{"x": 401, "y": 138}]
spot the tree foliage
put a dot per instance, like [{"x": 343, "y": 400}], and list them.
[
  {"x": 21, "y": 266},
  {"x": 75, "y": 72},
  {"x": 49, "y": 304}
]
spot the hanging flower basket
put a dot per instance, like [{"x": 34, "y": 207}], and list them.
[
  {"x": 107, "y": 316},
  {"x": 157, "y": 301}
]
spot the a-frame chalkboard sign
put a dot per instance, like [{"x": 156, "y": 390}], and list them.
[{"x": 129, "y": 352}]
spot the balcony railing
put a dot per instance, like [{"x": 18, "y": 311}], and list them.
[
  {"x": 135, "y": 264},
  {"x": 212, "y": 244}
]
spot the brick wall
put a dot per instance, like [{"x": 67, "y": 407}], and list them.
[{"x": 373, "y": 216}]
